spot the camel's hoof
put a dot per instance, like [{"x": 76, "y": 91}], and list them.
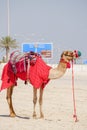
[
  {"x": 12, "y": 115},
  {"x": 34, "y": 115},
  {"x": 41, "y": 116}
]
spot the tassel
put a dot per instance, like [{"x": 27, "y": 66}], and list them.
[
  {"x": 25, "y": 82},
  {"x": 15, "y": 83}
]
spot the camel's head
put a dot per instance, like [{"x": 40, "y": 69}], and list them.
[{"x": 70, "y": 55}]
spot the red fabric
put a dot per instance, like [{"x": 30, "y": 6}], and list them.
[
  {"x": 38, "y": 75},
  {"x": 5, "y": 78},
  {"x": 68, "y": 65},
  {"x": 9, "y": 78}
]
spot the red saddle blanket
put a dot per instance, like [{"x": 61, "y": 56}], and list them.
[{"x": 37, "y": 75}]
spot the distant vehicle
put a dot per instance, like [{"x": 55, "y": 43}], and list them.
[{"x": 85, "y": 62}]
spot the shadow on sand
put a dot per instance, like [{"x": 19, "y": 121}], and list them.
[{"x": 22, "y": 117}]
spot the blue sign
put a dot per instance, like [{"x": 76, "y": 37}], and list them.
[{"x": 45, "y": 49}]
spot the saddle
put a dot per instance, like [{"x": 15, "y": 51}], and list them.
[{"x": 19, "y": 62}]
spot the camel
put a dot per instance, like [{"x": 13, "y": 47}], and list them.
[{"x": 53, "y": 73}]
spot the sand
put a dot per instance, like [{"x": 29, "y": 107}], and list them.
[{"x": 57, "y": 104}]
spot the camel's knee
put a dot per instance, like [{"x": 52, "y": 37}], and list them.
[
  {"x": 41, "y": 96},
  {"x": 9, "y": 93},
  {"x": 40, "y": 101},
  {"x": 35, "y": 100},
  {"x": 8, "y": 97},
  {"x": 34, "y": 95}
]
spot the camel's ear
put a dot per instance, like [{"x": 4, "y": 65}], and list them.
[{"x": 64, "y": 53}]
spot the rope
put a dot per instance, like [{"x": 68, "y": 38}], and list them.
[{"x": 73, "y": 92}]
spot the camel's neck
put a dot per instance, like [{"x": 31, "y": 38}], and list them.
[
  {"x": 62, "y": 67},
  {"x": 60, "y": 70}
]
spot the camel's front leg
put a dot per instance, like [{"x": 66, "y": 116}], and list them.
[
  {"x": 9, "y": 100},
  {"x": 34, "y": 101},
  {"x": 40, "y": 102}
]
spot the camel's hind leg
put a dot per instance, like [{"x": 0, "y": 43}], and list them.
[
  {"x": 34, "y": 101},
  {"x": 9, "y": 100},
  {"x": 41, "y": 102}
]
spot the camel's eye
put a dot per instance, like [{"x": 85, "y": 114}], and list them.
[{"x": 72, "y": 54}]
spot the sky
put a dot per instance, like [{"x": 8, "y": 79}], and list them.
[{"x": 61, "y": 22}]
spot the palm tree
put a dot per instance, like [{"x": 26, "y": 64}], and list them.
[{"x": 7, "y": 43}]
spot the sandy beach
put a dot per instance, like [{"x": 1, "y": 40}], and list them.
[{"x": 57, "y": 104}]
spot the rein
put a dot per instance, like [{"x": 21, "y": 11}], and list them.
[
  {"x": 68, "y": 55},
  {"x": 73, "y": 92}
]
